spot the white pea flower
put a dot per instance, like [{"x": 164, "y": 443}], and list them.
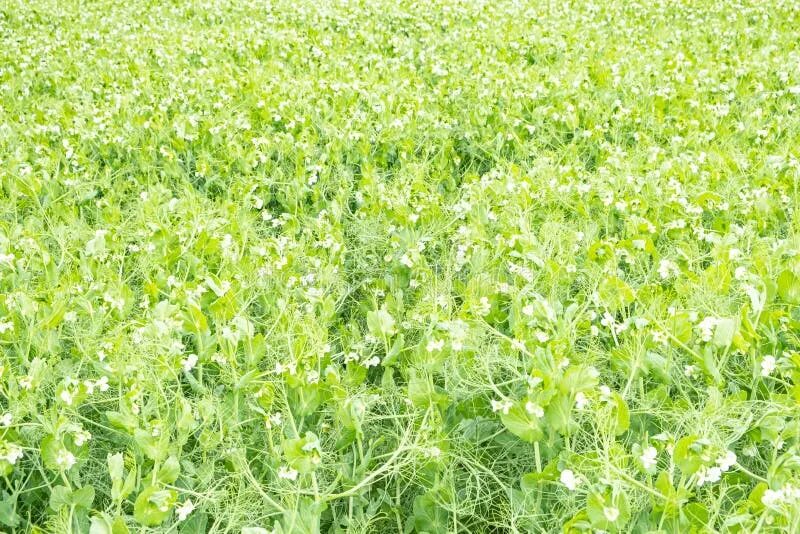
[
  {"x": 660, "y": 337},
  {"x": 81, "y": 437},
  {"x": 649, "y": 457},
  {"x": 184, "y": 510},
  {"x": 10, "y": 452},
  {"x": 707, "y": 327},
  {"x": 541, "y": 336},
  {"x": 65, "y": 459},
  {"x": 708, "y": 475},
  {"x": 569, "y": 479},
  {"x": 501, "y": 406},
  {"x": 102, "y": 383},
  {"x": 287, "y": 473},
  {"x": 434, "y": 452},
  {"x": 312, "y": 376},
  {"x": 189, "y": 362},
  {"x": 667, "y": 268},
  {"x": 371, "y": 362},
  {"x": 274, "y": 419},
  {"x": 534, "y": 409},
  {"x": 727, "y": 460},
  {"x": 768, "y": 364},
  {"x": 484, "y": 307},
  {"x": 66, "y": 397},
  {"x": 611, "y": 513},
  {"x": 772, "y": 497},
  {"x": 312, "y": 446},
  {"x": 434, "y": 345},
  {"x": 740, "y": 273},
  {"x": 757, "y": 298}
]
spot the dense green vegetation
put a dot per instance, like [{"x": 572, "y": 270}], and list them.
[{"x": 372, "y": 266}]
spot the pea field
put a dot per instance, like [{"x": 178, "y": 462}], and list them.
[{"x": 373, "y": 266}]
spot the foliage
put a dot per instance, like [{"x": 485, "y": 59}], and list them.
[{"x": 485, "y": 266}]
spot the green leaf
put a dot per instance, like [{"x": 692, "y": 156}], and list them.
[
  {"x": 685, "y": 458},
  {"x": 615, "y": 294},
  {"x": 423, "y": 393},
  {"x": 578, "y": 378},
  {"x": 532, "y": 481},
  {"x": 100, "y": 524},
  {"x": 195, "y": 319},
  {"x": 119, "y": 527},
  {"x": 680, "y": 327},
  {"x": 622, "y": 414},
  {"x": 123, "y": 421},
  {"x": 559, "y": 412},
  {"x": 609, "y": 510},
  {"x": 302, "y": 453},
  {"x": 724, "y": 332},
  {"x": 60, "y": 496},
  {"x": 97, "y": 245},
  {"x": 754, "y": 499},
  {"x": 697, "y": 514},
  {"x": 83, "y": 497},
  {"x": 255, "y": 349},
  {"x": 669, "y": 504},
  {"x": 116, "y": 467},
  {"x": 304, "y": 519},
  {"x": 49, "y": 449},
  {"x": 196, "y": 522},
  {"x": 185, "y": 416},
  {"x": 789, "y": 287},
  {"x": 169, "y": 471},
  {"x": 738, "y": 520},
  {"x": 380, "y": 323},
  {"x": 391, "y": 357},
  {"x": 151, "y": 446},
  {"x": 8, "y": 516},
  {"x": 153, "y": 506},
  {"x": 128, "y": 486},
  {"x": 429, "y": 516},
  {"x": 307, "y": 398},
  {"x": 522, "y": 424}
]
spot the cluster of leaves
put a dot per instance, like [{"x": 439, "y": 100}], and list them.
[{"x": 484, "y": 266}]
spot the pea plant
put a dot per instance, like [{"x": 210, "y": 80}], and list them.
[{"x": 485, "y": 266}]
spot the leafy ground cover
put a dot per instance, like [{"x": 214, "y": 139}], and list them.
[{"x": 432, "y": 267}]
